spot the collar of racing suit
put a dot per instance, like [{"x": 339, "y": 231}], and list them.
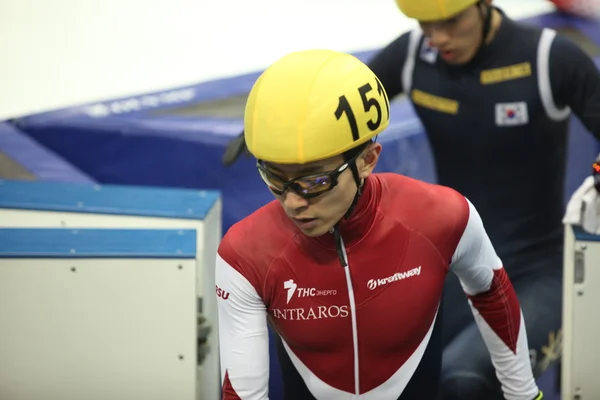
[{"x": 362, "y": 218}]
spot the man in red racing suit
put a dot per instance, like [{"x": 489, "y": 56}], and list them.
[{"x": 356, "y": 302}]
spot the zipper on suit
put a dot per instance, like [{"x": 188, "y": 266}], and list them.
[{"x": 346, "y": 266}]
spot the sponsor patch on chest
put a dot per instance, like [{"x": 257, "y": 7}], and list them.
[
  {"x": 503, "y": 74},
  {"x": 433, "y": 102},
  {"x": 398, "y": 276},
  {"x": 512, "y": 114},
  {"x": 293, "y": 290}
]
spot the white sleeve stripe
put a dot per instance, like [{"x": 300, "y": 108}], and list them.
[
  {"x": 409, "y": 63},
  {"x": 243, "y": 334},
  {"x": 475, "y": 259},
  {"x": 543, "y": 72}
]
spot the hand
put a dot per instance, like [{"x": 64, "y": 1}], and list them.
[
  {"x": 583, "y": 208},
  {"x": 596, "y": 173}
]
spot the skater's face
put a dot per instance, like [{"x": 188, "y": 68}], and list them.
[
  {"x": 316, "y": 214},
  {"x": 457, "y": 39}
]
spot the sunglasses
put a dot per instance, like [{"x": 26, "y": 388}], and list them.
[{"x": 308, "y": 186}]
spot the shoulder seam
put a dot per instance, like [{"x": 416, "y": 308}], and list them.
[
  {"x": 416, "y": 232},
  {"x": 279, "y": 256},
  {"x": 262, "y": 284}
]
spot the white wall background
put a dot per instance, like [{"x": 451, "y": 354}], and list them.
[{"x": 59, "y": 53}]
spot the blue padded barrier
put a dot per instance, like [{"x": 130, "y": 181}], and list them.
[{"x": 24, "y": 158}]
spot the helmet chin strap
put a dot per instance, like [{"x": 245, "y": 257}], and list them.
[
  {"x": 336, "y": 228},
  {"x": 359, "y": 185},
  {"x": 486, "y": 11}
]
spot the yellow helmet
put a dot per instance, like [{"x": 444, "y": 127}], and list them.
[
  {"x": 433, "y": 10},
  {"x": 311, "y": 105}
]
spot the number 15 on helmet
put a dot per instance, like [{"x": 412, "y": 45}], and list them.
[{"x": 312, "y": 105}]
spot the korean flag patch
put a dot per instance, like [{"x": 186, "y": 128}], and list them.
[{"x": 512, "y": 114}]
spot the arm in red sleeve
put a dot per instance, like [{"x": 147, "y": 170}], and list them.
[{"x": 496, "y": 309}]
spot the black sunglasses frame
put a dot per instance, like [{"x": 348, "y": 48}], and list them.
[{"x": 296, "y": 188}]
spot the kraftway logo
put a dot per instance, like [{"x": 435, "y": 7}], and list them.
[
  {"x": 292, "y": 288},
  {"x": 398, "y": 276}
]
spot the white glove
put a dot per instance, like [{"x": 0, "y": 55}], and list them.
[{"x": 583, "y": 208}]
